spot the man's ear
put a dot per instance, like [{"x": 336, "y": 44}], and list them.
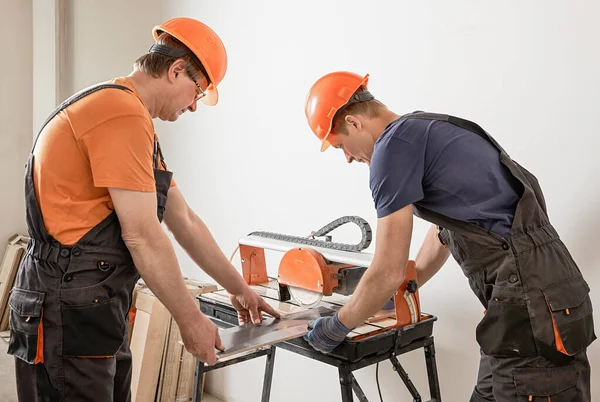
[
  {"x": 353, "y": 121},
  {"x": 178, "y": 67}
]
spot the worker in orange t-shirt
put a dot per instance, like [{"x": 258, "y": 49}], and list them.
[{"x": 96, "y": 194}]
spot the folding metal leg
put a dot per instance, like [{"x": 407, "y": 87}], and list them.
[
  {"x": 407, "y": 381},
  {"x": 201, "y": 369},
  {"x": 198, "y": 378},
  {"x": 266, "y": 394},
  {"x": 346, "y": 384},
  {"x": 432, "y": 375},
  {"x": 358, "y": 390}
]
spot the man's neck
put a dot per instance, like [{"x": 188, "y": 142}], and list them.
[
  {"x": 147, "y": 87},
  {"x": 385, "y": 117}
]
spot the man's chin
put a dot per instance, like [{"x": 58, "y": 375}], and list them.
[{"x": 173, "y": 117}]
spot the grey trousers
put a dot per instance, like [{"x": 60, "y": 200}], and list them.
[{"x": 532, "y": 379}]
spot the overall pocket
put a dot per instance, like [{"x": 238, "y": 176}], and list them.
[
  {"x": 93, "y": 330},
  {"x": 555, "y": 384},
  {"x": 571, "y": 312},
  {"x": 505, "y": 330},
  {"x": 26, "y": 329}
]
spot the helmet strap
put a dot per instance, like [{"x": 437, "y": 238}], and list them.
[
  {"x": 357, "y": 97},
  {"x": 174, "y": 52},
  {"x": 363, "y": 96}
]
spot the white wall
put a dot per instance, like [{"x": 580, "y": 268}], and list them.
[
  {"x": 46, "y": 60},
  {"x": 104, "y": 38},
  {"x": 526, "y": 71},
  {"x": 16, "y": 90}
]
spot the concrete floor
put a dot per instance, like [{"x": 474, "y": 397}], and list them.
[{"x": 8, "y": 389}]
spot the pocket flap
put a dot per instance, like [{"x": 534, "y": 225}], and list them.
[
  {"x": 567, "y": 294},
  {"x": 26, "y": 303},
  {"x": 541, "y": 381}
]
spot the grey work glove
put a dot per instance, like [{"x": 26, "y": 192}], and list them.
[{"x": 326, "y": 333}]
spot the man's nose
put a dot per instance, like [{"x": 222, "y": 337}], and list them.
[
  {"x": 349, "y": 157},
  {"x": 193, "y": 106}
]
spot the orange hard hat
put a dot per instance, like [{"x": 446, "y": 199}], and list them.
[
  {"x": 326, "y": 97},
  {"x": 206, "y": 46}
]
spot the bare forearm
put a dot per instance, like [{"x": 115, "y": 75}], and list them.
[
  {"x": 156, "y": 262},
  {"x": 387, "y": 270},
  {"x": 200, "y": 245},
  {"x": 376, "y": 287},
  {"x": 431, "y": 257}
]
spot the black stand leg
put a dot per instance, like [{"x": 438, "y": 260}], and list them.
[
  {"x": 434, "y": 384},
  {"x": 346, "y": 384},
  {"x": 198, "y": 377},
  {"x": 201, "y": 369},
  {"x": 358, "y": 390},
  {"x": 409, "y": 384},
  {"x": 266, "y": 394}
]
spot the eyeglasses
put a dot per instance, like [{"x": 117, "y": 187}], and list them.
[{"x": 199, "y": 93}]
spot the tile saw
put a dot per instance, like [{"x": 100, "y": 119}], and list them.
[
  {"x": 315, "y": 271},
  {"x": 315, "y": 266},
  {"x": 316, "y": 277}
]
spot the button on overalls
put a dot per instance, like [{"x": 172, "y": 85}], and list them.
[
  {"x": 538, "y": 320},
  {"x": 69, "y": 305}
]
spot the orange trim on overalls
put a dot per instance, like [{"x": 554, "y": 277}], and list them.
[
  {"x": 39, "y": 354},
  {"x": 559, "y": 343},
  {"x": 97, "y": 357},
  {"x": 131, "y": 314}
]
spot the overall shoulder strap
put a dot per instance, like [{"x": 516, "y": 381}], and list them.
[
  {"x": 74, "y": 99},
  {"x": 457, "y": 121}
]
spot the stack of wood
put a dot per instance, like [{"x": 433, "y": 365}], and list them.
[
  {"x": 15, "y": 251},
  {"x": 163, "y": 370}
]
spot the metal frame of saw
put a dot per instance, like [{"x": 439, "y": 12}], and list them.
[
  {"x": 330, "y": 261},
  {"x": 351, "y": 355}
]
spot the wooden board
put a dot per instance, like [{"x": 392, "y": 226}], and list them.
[
  {"x": 186, "y": 377},
  {"x": 156, "y": 349},
  {"x": 361, "y": 330},
  {"x": 171, "y": 364},
  {"x": 382, "y": 315},
  {"x": 385, "y": 323},
  {"x": 147, "y": 343}
]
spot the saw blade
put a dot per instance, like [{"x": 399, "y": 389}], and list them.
[{"x": 305, "y": 298}]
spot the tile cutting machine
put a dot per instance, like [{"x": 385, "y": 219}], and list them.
[
  {"x": 317, "y": 274},
  {"x": 315, "y": 266}
]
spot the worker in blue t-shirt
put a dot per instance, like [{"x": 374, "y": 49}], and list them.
[{"x": 489, "y": 213}]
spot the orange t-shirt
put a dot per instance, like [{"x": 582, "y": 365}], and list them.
[{"x": 104, "y": 140}]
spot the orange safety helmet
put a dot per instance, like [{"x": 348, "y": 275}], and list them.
[
  {"x": 206, "y": 46},
  {"x": 328, "y": 95}
]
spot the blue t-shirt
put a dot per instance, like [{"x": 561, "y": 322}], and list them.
[{"x": 446, "y": 169}]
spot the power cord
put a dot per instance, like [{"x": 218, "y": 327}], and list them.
[
  {"x": 233, "y": 254},
  {"x": 377, "y": 379}
]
